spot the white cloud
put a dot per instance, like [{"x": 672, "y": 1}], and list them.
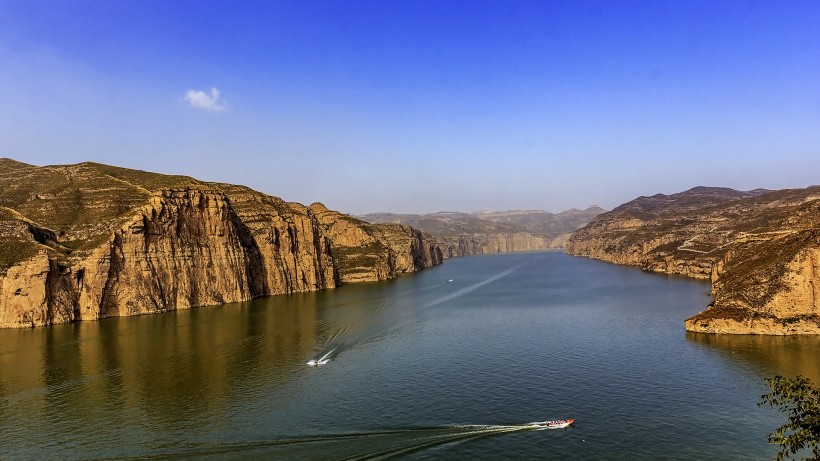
[{"x": 203, "y": 100}]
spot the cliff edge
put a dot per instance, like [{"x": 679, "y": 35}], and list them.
[
  {"x": 89, "y": 241},
  {"x": 760, "y": 249}
]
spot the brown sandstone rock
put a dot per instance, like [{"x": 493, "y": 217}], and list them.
[
  {"x": 106, "y": 241},
  {"x": 482, "y": 232},
  {"x": 760, "y": 249}
]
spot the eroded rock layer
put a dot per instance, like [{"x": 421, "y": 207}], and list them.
[
  {"x": 760, "y": 249},
  {"x": 88, "y": 241}
]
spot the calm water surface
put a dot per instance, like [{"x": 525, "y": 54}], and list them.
[{"x": 419, "y": 369}]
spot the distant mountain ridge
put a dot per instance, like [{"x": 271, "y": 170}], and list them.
[
  {"x": 479, "y": 232},
  {"x": 89, "y": 241},
  {"x": 759, "y": 248}
]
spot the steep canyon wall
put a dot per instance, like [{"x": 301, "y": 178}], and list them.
[
  {"x": 760, "y": 250},
  {"x": 191, "y": 244}
]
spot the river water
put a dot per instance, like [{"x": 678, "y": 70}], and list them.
[{"x": 419, "y": 368}]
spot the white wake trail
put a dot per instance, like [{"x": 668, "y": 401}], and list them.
[
  {"x": 472, "y": 287},
  {"x": 383, "y": 325}
]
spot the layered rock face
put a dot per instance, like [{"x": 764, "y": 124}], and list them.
[
  {"x": 760, "y": 249},
  {"x": 368, "y": 252},
  {"x": 88, "y": 241},
  {"x": 462, "y": 234},
  {"x": 502, "y": 242}
]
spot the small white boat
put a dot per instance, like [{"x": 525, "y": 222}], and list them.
[
  {"x": 321, "y": 360},
  {"x": 450, "y": 281}
]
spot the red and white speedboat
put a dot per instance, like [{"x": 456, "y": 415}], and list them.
[{"x": 554, "y": 424}]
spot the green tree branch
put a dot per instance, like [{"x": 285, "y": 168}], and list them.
[{"x": 800, "y": 401}]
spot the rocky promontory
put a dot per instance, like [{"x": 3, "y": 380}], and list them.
[
  {"x": 89, "y": 241},
  {"x": 760, "y": 249},
  {"x": 481, "y": 232}
]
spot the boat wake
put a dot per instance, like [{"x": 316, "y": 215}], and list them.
[
  {"x": 317, "y": 362},
  {"x": 384, "y": 321},
  {"x": 351, "y": 446},
  {"x": 468, "y": 289}
]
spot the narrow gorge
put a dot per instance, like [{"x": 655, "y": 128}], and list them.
[{"x": 483, "y": 232}]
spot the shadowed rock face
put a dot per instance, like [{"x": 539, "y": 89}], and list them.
[
  {"x": 760, "y": 249},
  {"x": 461, "y": 234},
  {"x": 87, "y": 241}
]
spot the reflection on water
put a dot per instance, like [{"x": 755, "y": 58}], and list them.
[
  {"x": 770, "y": 355},
  {"x": 172, "y": 372},
  {"x": 416, "y": 364}
]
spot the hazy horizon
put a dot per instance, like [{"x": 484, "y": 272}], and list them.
[{"x": 421, "y": 107}]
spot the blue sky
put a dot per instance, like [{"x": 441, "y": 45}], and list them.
[{"x": 421, "y": 106}]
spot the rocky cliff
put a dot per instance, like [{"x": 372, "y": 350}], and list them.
[
  {"x": 760, "y": 249},
  {"x": 461, "y": 234},
  {"x": 88, "y": 241}
]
